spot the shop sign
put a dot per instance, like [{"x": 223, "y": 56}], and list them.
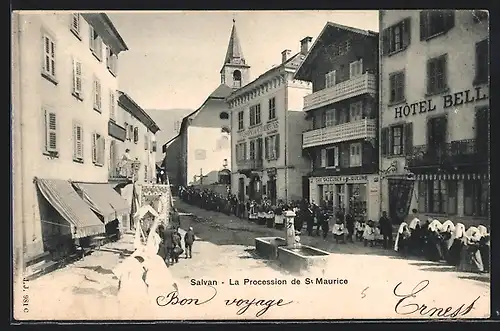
[
  {"x": 447, "y": 101},
  {"x": 341, "y": 179},
  {"x": 261, "y": 128}
]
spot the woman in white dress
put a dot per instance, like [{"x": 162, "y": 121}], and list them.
[
  {"x": 402, "y": 238},
  {"x": 339, "y": 231}
]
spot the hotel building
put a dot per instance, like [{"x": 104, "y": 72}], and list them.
[
  {"x": 434, "y": 114},
  {"x": 341, "y": 137}
]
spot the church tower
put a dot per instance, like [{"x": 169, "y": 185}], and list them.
[{"x": 235, "y": 73}]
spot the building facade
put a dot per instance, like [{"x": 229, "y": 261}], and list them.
[
  {"x": 200, "y": 154},
  {"x": 435, "y": 110},
  {"x": 265, "y": 119},
  {"x": 64, "y": 85},
  {"x": 342, "y": 111}
]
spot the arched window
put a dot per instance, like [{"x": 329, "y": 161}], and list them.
[
  {"x": 237, "y": 78},
  {"x": 224, "y": 115},
  {"x": 225, "y": 130}
]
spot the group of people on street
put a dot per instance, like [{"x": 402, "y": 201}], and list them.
[{"x": 468, "y": 250}]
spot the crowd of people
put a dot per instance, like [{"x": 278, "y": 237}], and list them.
[
  {"x": 467, "y": 250},
  {"x": 316, "y": 219}
]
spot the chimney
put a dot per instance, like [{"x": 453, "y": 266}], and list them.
[
  {"x": 285, "y": 55},
  {"x": 304, "y": 45}
]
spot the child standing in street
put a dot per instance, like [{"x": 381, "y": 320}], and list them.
[{"x": 189, "y": 239}]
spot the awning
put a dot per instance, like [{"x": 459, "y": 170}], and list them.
[
  {"x": 103, "y": 200},
  {"x": 62, "y": 196},
  {"x": 472, "y": 176}
]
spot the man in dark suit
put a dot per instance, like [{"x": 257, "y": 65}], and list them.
[
  {"x": 189, "y": 239},
  {"x": 168, "y": 239},
  {"x": 175, "y": 219}
]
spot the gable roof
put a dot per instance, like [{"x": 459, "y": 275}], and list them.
[
  {"x": 220, "y": 93},
  {"x": 300, "y": 73}
]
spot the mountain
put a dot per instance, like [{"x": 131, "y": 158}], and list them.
[{"x": 168, "y": 120}]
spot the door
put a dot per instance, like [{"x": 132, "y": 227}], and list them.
[
  {"x": 305, "y": 188},
  {"x": 400, "y": 193},
  {"x": 271, "y": 184},
  {"x": 241, "y": 189}
]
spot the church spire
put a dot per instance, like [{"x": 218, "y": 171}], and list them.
[
  {"x": 235, "y": 71},
  {"x": 234, "y": 48}
]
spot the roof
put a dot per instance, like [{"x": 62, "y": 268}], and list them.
[
  {"x": 110, "y": 35},
  {"x": 220, "y": 93},
  {"x": 292, "y": 64},
  {"x": 234, "y": 54},
  {"x": 136, "y": 110},
  {"x": 300, "y": 74}
]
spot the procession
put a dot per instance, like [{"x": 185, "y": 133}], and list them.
[{"x": 248, "y": 174}]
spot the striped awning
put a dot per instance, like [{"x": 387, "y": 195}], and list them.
[
  {"x": 63, "y": 197},
  {"x": 104, "y": 200},
  {"x": 453, "y": 176}
]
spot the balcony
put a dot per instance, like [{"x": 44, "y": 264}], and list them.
[
  {"x": 365, "y": 128},
  {"x": 127, "y": 172},
  {"x": 456, "y": 153},
  {"x": 366, "y": 83},
  {"x": 250, "y": 164}
]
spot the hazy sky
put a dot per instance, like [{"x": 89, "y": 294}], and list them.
[{"x": 174, "y": 58}]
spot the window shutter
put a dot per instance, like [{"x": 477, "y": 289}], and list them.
[
  {"x": 430, "y": 74},
  {"x": 136, "y": 134},
  {"x": 75, "y": 22},
  {"x": 91, "y": 38},
  {"x": 94, "y": 147},
  {"x": 102, "y": 149},
  {"x": 127, "y": 131},
  {"x": 145, "y": 142},
  {"x": 75, "y": 141},
  {"x": 424, "y": 25},
  {"x": 244, "y": 151},
  {"x": 444, "y": 69},
  {"x": 386, "y": 41},
  {"x": 408, "y": 134},
  {"x": 406, "y": 32},
  {"x": 323, "y": 158},
  {"x": 50, "y": 132},
  {"x": 259, "y": 149},
  {"x": 390, "y": 142},
  {"x": 336, "y": 156},
  {"x": 112, "y": 105},
  {"x": 277, "y": 146},
  {"x": 108, "y": 57},
  {"x": 384, "y": 140},
  {"x": 266, "y": 148},
  {"x": 449, "y": 19}
]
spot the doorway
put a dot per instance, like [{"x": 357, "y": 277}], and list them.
[
  {"x": 400, "y": 193},
  {"x": 305, "y": 188},
  {"x": 241, "y": 189}
]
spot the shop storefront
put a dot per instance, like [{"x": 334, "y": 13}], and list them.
[{"x": 356, "y": 193}]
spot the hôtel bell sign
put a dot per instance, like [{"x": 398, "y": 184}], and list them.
[{"x": 448, "y": 101}]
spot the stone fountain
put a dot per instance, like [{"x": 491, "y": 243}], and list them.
[{"x": 288, "y": 251}]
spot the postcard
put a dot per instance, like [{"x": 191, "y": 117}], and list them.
[{"x": 250, "y": 165}]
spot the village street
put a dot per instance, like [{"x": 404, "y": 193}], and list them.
[{"x": 224, "y": 254}]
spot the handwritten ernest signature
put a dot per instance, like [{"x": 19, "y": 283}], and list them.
[{"x": 405, "y": 307}]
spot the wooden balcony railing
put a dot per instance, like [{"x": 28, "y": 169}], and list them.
[
  {"x": 250, "y": 164},
  {"x": 124, "y": 172}
]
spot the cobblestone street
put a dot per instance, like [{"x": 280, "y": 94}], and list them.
[{"x": 224, "y": 253}]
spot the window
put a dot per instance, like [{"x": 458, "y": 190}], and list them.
[
  {"x": 136, "y": 134},
  {"x": 397, "y": 86},
  {"x": 241, "y": 124},
  {"x": 252, "y": 149},
  {"x": 146, "y": 142},
  {"x": 330, "y": 157},
  {"x": 111, "y": 61},
  {"x": 77, "y": 79},
  {"x": 77, "y": 142},
  {"x": 98, "y": 149},
  {"x": 476, "y": 198},
  {"x": 272, "y": 147},
  {"x": 343, "y": 115},
  {"x": 255, "y": 115},
  {"x": 237, "y": 78},
  {"x": 397, "y": 37},
  {"x": 131, "y": 133},
  {"x": 112, "y": 105},
  {"x": 97, "y": 94},
  {"x": 435, "y": 22},
  {"x": 49, "y": 57},
  {"x": 75, "y": 24},
  {"x": 241, "y": 151},
  {"x": 355, "y": 155},
  {"x": 330, "y": 79},
  {"x": 95, "y": 44},
  {"x": 224, "y": 115},
  {"x": 341, "y": 48},
  {"x": 330, "y": 117},
  {"x": 437, "y": 197},
  {"x": 272, "y": 108},
  {"x": 146, "y": 177},
  {"x": 482, "y": 62},
  {"x": 356, "y": 68},
  {"x": 127, "y": 132},
  {"x": 436, "y": 74},
  {"x": 356, "y": 111},
  {"x": 397, "y": 140},
  {"x": 50, "y": 132}
]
